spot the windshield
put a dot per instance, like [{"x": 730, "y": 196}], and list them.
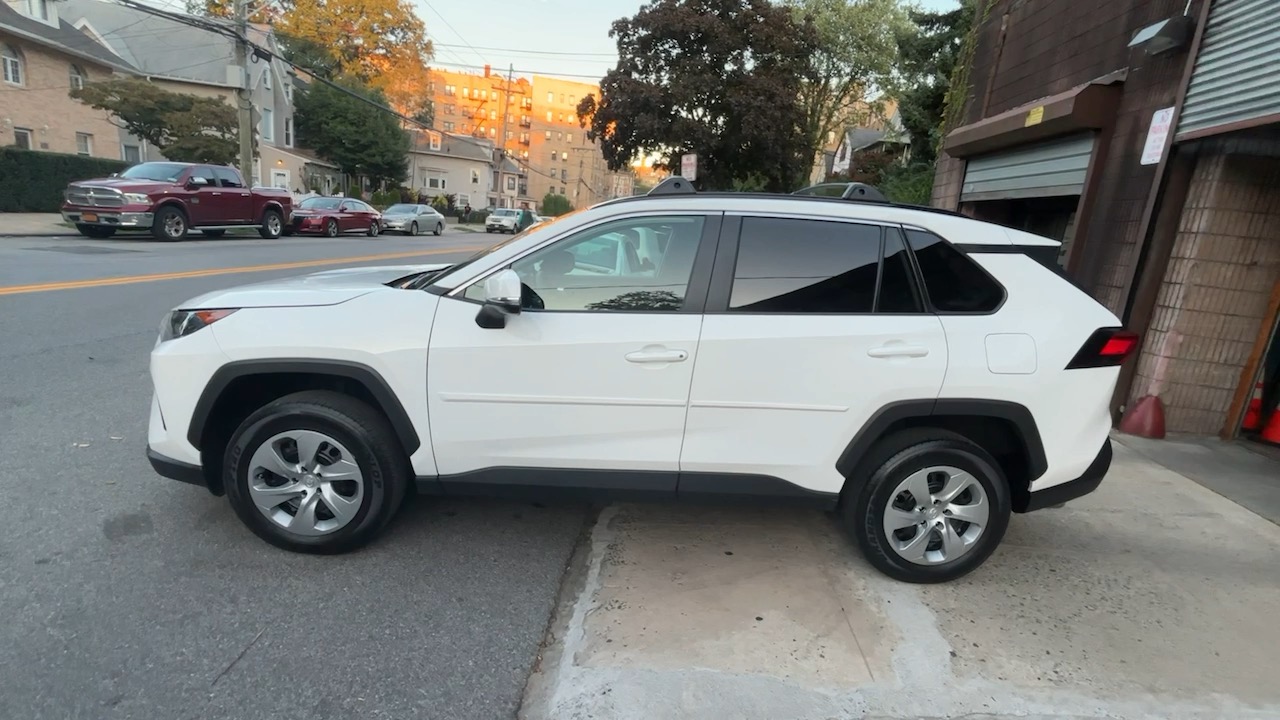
[
  {"x": 320, "y": 203},
  {"x": 161, "y": 171},
  {"x": 401, "y": 209}
]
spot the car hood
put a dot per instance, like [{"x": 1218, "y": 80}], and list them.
[
  {"x": 125, "y": 184},
  {"x": 329, "y": 287}
]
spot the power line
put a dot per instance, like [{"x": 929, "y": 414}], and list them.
[{"x": 451, "y": 27}]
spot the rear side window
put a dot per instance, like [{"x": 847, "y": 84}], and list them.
[
  {"x": 805, "y": 266},
  {"x": 227, "y": 177},
  {"x": 953, "y": 282}
]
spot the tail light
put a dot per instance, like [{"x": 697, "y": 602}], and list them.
[{"x": 1106, "y": 347}]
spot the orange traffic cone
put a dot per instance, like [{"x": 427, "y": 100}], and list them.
[
  {"x": 1145, "y": 418},
  {"x": 1271, "y": 433},
  {"x": 1253, "y": 416}
]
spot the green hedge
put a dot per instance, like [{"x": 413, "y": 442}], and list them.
[{"x": 33, "y": 181}]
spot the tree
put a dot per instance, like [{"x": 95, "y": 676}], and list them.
[
  {"x": 358, "y": 137},
  {"x": 712, "y": 77},
  {"x": 184, "y": 128},
  {"x": 555, "y": 204},
  {"x": 927, "y": 53},
  {"x": 382, "y": 43},
  {"x": 856, "y": 54},
  {"x": 261, "y": 12}
]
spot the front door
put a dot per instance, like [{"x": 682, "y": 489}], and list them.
[
  {"x": 807, "y": 334},
  {"x": 237, "y": 202},
  {"x": 592, "y": 375},
  {"x": 206, "y": 203}
]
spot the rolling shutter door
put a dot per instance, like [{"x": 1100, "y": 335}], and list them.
[
  {"x": 1234, "y": 79},
  {"x": 1045, "y": 169}
]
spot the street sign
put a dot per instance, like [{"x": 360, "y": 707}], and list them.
[
  {"x": 1157, "y": 134},
  {"x": 689, "y": 167}
]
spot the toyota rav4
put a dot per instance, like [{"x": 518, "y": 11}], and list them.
[{"x": 920, "y": 373}]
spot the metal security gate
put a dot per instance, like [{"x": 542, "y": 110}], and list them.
[
  {"x": 1235, "y": 81},
  {"x": 1045, "y": 169}
]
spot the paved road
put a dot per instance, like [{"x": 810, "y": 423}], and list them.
[{"x": 128, "y": 596}]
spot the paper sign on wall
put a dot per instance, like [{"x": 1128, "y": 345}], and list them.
[
  {"x": 689, "y": 167},
  {"x": 1035, "y": 116},
  {"x": 1157, "y": 134}
]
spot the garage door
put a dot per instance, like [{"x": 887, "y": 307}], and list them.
[
  {"x": 1045, "y": 169},
  {"x": 1234, "y": 82}
]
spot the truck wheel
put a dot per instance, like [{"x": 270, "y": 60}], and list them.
[
  {"x": 331, "y": 228},
  {"x": 95, "y": 231},
  {"x": 169, "y": 225},
  {"x": 272, "y": 224},
  {"x": 213, "y": 233}
]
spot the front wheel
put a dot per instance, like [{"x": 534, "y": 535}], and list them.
[
  {"x": 413, "y": 228},
  {"x": 95, "y": 231},
  {"x": 931, "y": 508},
  {"x": 316, "y": 472},
  {"x": 331, "y": 228},
  {"x": 439, "y": 229},
  {"x": 272, "y": 224},
  {"x": 169, "y": 224}
]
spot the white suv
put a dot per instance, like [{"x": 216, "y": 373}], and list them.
[{"x": 919, "y": 372}]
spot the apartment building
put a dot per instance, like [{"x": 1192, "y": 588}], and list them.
[
  {"x": 488, "y": 106},
  {"x": 42, "y": 57}
]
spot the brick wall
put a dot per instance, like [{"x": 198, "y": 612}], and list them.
[
  {"x": 41, "y": 104},
  {"x": 1212, "y": 302}
]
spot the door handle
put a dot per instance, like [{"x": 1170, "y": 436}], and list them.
[
  {"x": 895, "y": 351},
  {"x": 215, "y": 193},
  {"x": 657, "y": 356}
]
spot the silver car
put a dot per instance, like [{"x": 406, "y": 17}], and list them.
[{"x": 412, "y": 219}]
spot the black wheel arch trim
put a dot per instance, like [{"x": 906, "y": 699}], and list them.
[
  {"x": 378, "y": 387},
  {"x": 1021, "y": 418}
]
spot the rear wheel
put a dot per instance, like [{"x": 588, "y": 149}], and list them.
[
  {"x": 169, "y": 224},
  {"x": 374, "y": 228},
  {"x": 272, "y": 224},
  {"x": 439, "y": 229},
  {"x": 931, "y": 507},
  {"x": 95, "y": 231},
  {"x": 316, "y": 472},
  {"x": 331, "y": 228}
]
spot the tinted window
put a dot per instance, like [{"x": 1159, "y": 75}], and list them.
[
  {"x": 805, "y": 266},
  {"x": 896, "y": 292},
  {"x": 637, "y": 265},
  {"x": 227, "y": 177},
  {"x": 953, "y": 282}
]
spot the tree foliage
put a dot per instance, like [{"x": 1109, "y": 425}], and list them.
[
  {"x": 855, "y": 58},
  {"x": 184, "y": 128},
  {"x": 927, "y": 52},
  {"x": 382, "y": 43},
  {"x": 555, "y": 204},
  {"x": 359, "y": 138},
  {"x": 712, "y": 77}
]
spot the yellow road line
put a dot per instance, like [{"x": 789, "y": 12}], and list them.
[{"x": 131, "y": 279}]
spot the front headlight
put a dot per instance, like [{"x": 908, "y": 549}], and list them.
[
  {"x": 137, "y": 198},
  {"x": 181, "y": 323}
]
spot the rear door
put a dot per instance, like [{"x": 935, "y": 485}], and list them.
[
  {"x": 348, "y": 219},
  {"x": 812, "y": 326}
]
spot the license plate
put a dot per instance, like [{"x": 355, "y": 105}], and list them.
[{"x": 89, "y": 217}]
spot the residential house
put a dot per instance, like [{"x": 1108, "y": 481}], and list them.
[
  {"x": 879, "y": 114},
  {"x": 510, "y": 185},
  {"x": 42, "y": 57},
  {"x": 186, "y": 59},
  {"x": 451, "y": 164},
  {"x": 859, "y": 142}
]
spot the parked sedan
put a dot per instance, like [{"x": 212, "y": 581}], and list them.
[
  {"x": 411, "y": 218},
  {"x": 334, "y": 216}
]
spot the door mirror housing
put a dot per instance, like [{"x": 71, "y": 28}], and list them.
[
  {"x": 197, "y": 182},
  {"x": 502, "y": 292}
]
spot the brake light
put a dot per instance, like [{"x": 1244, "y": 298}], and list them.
[{"x": 1106, "y": 347}]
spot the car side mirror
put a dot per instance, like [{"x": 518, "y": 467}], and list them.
[
  {"x": 197, "y": 182},
  {"x": 502, "y": 293}
]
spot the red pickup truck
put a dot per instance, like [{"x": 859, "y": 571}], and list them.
[{"x": 171, "y": 199}]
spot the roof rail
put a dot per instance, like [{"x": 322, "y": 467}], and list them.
[
  {"x": 674, "y": 185},
  {"x": 851, "y": 191}
]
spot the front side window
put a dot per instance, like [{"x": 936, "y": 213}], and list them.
[
  {"x": 805, "y": 266},
  {"x": 953, "y": 282},
  {"x": 636, "y": 265},
  {"x": 11, "y": 63}
]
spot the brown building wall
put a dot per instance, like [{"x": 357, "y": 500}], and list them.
[{"x": 1214, "y": 299}]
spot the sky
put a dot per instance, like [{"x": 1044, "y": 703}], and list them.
[{"x": 545, "y": 37}]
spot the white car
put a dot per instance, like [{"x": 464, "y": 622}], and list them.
[
  {"x": 413, "y": 218},
  {"x": 922, "y": 373},
  {"x": 502, "y": 220}
]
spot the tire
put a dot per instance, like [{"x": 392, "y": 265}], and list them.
[
  {"x": 367, "y": 441},
  {"x": 169, "y": 224},
  {"x": 413, "y": 228},
  {"x": 272, "y": 224},
  {"x": 439, "y": 229},
  {"x": 331, "y": 228},
  {"x": 487, "y": 231},
  {"x": 95, "y": 231},
  {"x": 374, "y": 228},
  {"x": 879, "y": 494},
  {"x": 213, "y": 233}
]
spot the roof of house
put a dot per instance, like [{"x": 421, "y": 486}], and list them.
[
  {"x": 65, "y": 38},
  {"x": 452, "y": 145},
  {"x": 155, "y": 45}
]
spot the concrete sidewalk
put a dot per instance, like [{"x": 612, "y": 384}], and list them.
[
  {"x": 33, "y": 224},
  {"x": 1153, "y": 597}
]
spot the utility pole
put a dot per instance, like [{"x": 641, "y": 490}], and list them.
[
  {"x": 506, "y": 107},
  {"x": 244, "y": 92}
]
